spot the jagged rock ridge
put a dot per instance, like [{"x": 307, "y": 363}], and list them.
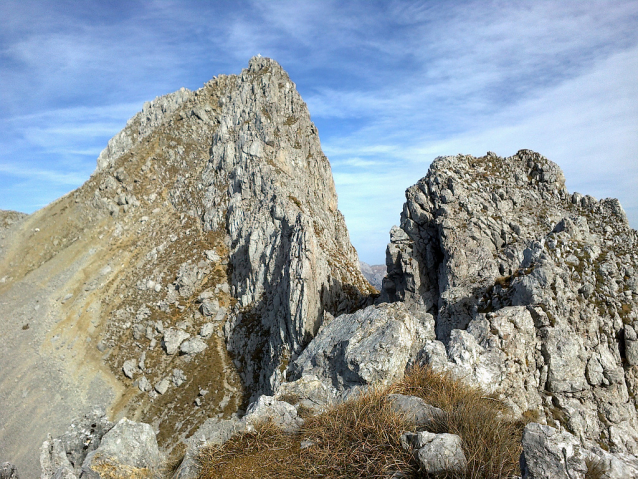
[
  {"x": 211, "y": 223},
  {"x": 534, "y": 290}
]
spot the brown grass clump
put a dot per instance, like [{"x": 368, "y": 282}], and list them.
[
  {"x": 360, "y": 438},
  {"x": 596, "y": 469},
  {"x": 109, "y": 469},
  {"x": 491, "y": 442}
]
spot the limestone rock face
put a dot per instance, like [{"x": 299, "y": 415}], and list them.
[
  {"x": 290, "y": 255},
  {"x": 551, "y": 454},
  {"x": 128, "y": 443},
  {"x": 370, "y": 347},
  {"x": 63, "y": 456},
  {"x": 153, "y": 114},
  {"x": 533, "y": 289},
  {"x": 211, "y": 207}
]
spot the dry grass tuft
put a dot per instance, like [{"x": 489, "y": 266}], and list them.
[
  {"x": 108, "y": 469},
  {"x": 596, "y": 469},
  {"x": 361, "y": 437},
  {"x": 491, "y": 442}
]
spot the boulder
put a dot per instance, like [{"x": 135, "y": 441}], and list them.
[
  {"x": 128, "y": 443},
  {"x": 371, "y": 346},
  {"x": 173, "y": 338},
  {"x": 8, "y": 471},
  {"x": 130, "y": 368},
  {"x": 436, "y": 453},
  {"x": 267, "y": 408},
  {"x": 209, "y": 307},
  {"x": 193, "y": 346},
  {"x": 309, "y": 392},
  {"x": 416, "y": 410}
]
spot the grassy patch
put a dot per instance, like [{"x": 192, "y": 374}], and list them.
[
  {"x": 110, "y": 469},
  {"x": 361, "y": 437}
]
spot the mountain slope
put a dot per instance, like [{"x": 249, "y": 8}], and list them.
[{"x": 210, "y": 225}]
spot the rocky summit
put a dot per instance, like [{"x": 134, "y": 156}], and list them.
[
  {"x": 178, "y": 282},
  {"x": 534, "y": 289},
  {"x": 202, "y": 282}
]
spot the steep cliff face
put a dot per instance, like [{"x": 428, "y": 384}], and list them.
[
  {"x": 534, "y": 290},
  {"x": 290, "y": 254},
  {"x": 210, "y": 225}
]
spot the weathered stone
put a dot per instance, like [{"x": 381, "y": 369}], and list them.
[
  {"x": 280, "y": 413},
  {"x": 62, "y": 457},
  {"x": 178, "y": 377},
  {"x": 173, "y": 338},
  {"x": 193, "y": 346},
  {"x": 129, "y": 368},
  {"x": 209, "y": 307},
  {"x": 163, "y": 386},
  {"x": 436, "y": 453},
  {"x": 144, "y": 384},
  {"x": 416, "y": 410},
  {"x": 307, "y": 391},
  {"x": 207, "y": 330},
  {"x": 8, "y": 471},
  {"x": 548, "y": 453},
  {"x": 530, "y": 287},
  {"x": 212, "y": 431},
  {"x": 371, "y": 346},
  {"x": 128, "y": 443}
]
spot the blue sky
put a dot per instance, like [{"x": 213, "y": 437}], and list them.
[{"x": 390, "y": 85}]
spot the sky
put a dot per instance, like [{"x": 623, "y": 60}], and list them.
[{"x": 390, "y": 85}]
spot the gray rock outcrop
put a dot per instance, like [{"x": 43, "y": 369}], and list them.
[
  {"x": 290, "y": 255},
  {"x": 533, "y": 289},
  {"x": 64, "y": 456},
  {"x": 153, "y": 114},
  {"x": 128, "y": 443},
  {"x": 551, "y": 454},
  {"x": 436, "y": 453},
  {"x": 417, "y": 411},
  {"x": 267, "y": 408},
  {"x": 369, "y": 347},
  {"x": 8, "y": 471}
]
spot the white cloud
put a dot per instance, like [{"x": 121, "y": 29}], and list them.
[{"x": 391, "y": 85}]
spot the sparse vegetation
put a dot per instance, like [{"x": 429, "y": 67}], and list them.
[
  {"x": 361, "y": 437},
  {"x": 596, "y": 469},
  {"x": 108, "y": 469}
]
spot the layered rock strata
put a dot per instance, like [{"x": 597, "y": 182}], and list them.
[{"x": 534, "y": 290}]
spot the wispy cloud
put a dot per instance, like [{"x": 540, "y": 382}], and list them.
[{"x": 390, "y": 85}]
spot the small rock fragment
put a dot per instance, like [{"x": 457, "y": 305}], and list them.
[
  {"x": 173, "y": 338},
  {"x": 162, "y": 386},
  {"x": 193, "y": 346},
  {"x": 144, "y": 384},
  {"x": 178, "y": 377},
  {"x": 129, "y": 368}
]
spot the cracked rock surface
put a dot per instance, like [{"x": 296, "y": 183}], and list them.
[{"x": 533, "y": 289}]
